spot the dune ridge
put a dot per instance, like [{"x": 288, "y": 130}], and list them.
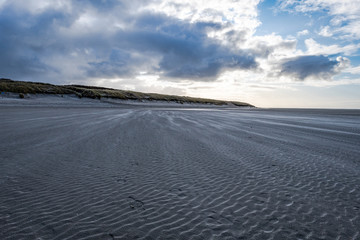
[{"x": 25, "y": 88}]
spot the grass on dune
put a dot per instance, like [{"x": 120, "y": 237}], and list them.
[{"x": 7, "y": 85}]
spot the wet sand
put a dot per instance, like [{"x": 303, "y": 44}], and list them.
[{"x": 170, "y": 173}]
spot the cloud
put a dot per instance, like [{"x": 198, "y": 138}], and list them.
[
  {"x": 238, "y": 18},
  {"x": 314, "y": 48},
  {"x": 325, "y": 31},
  {"x": 21, "y": 49},
  {"x": 353, "y": 70},
  {"x": 175, "y": 40},
  {"x": 270, "y": 45},
  {"x": 314, "y": 67},
  {"x": 345, "y": 22},
  {"x": 184, "y": 51},
  {"x": 303, "y": 33},
  {"x": 113, "y": 39},
  {"x": 209, "y": 66}
]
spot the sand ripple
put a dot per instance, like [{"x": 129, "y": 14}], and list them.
[{"x": 178, "y": 174}]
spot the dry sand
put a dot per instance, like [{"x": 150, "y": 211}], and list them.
[{"x": 155, "y": 173}]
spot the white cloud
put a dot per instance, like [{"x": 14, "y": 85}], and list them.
[
  {"x": 343, "y": 63},
  {"x": 314, "y": 48},
  {"x": 325, "y": 31},
  {"x": 209, "y": 10},
  {"x": 350, "y": 30},
  {"x": 353, "y": 70},
  {"x": 345, "y": 15},
  {"x": 325, "y": 83},
  {"x": 303, "y": 32},
  {"x": 38, "y": 6},
  {"x": 236, "y": 17},
  {"x": 335, "y": 7}
]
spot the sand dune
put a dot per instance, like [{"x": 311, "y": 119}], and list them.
[{"x": 155, "y": 173}]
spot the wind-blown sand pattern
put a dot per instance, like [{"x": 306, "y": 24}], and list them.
[{"x": 156, "y": 173}]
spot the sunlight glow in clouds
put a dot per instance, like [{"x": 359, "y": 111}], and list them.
[{"x": 210, "y": 48}]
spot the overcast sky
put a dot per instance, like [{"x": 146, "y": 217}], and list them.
[{"x": 295, "y": 53}]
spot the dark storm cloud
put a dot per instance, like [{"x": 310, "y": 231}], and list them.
[
  {"x": 102, "y": 5},
  {"x": 24, "y": 40},
  {"x": 183, "y": 48},
  {"x": 303, "y": 67},
  {"x": 116, "y": 65},
  {"x": 208, "y": 67},
  {"x": 264, "y": 49},
  {"x": 152, "y": 42}
]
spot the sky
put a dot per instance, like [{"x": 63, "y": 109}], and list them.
[{"x": 270, "y": 53}]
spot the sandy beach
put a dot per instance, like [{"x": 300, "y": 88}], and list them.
[{"x": 138, "y": 172}]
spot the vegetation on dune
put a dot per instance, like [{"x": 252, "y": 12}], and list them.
[{"x": 7, "y": 85}]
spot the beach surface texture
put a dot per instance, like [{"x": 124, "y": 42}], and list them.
[{"x": 142, "y": 172}]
